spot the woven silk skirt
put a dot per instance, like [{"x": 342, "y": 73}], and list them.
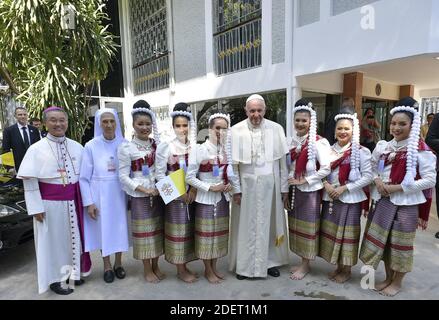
[
  {"x": 390, "y": 235},
  {"x": 147, "y": 227},
  {"x": 340, "y": 232},
  {"x": 304, "y": 223},
  {"x": 212, "y": 230},
  {"x": 179, "y": 232}
]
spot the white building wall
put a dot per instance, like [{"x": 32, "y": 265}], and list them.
[
  {"x": 189, "y": 39},
  {"x": 400, "y": 29},
  {"x": 293, "y": 56}
]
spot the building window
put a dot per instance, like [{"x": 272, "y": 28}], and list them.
[
  {"x": 340, "y": 6},
  {"x": 149, "y": 45},
  {"x": 309, "y": 12},
  {"x": 237, "y": 35}
]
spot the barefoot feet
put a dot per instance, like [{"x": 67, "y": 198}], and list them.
[{"x": 301, "y": 272}]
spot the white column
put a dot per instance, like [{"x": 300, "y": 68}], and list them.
[
  {"x": 208, "y": 23},
  {"x": 170, "y": 32},
  {"x": 289, "y": 34},
  {"x": 125, "y": 38},
  {"x": 325, "y": 9},
  {"x": 266, "y": 33}
]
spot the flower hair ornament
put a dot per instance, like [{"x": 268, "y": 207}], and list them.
[
  {"x": 413, "y": 143},
  {"x": 311, "y": 164},
  {"x": 193, "y": 129},
  {"x": 153, "y": 119},
  {"x": 354, "y": 174},
  {"x": 228, "y": 145}
]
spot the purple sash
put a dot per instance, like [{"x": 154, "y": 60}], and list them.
[{"x": 59, "y": 192}]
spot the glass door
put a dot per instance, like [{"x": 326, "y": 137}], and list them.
[{"x": 381, "y": 110}]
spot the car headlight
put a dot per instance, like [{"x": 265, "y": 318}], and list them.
[{"x": 7, "y": 211}]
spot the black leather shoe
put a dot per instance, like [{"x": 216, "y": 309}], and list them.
[
  {"x": 274, "y": 272},
  {"x": 109, "y": 276},
  {"x": 56, "y": 287},
  {"x": 120, "y": 272},
  {"x": 77, "y": 282},
  {"x": 239, "y": 277},
  {"x": 437, "y": 235}
]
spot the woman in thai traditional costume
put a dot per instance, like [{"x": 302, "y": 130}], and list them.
[
  {"x": 351, "y": 170},
  {"x": 403, "y": 168},
  {"x": 137, "y": 174},
  {"x": 210, "y": 171},
  {"x": 106, "y": 225},
  {"x": 309, "y": 164},
  {"x": 179, "y": 213}
]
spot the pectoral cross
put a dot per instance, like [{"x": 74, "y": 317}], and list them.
[{"x": 62, "y": 172}]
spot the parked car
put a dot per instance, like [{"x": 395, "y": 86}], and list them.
[{"x": 16, "y": 226}]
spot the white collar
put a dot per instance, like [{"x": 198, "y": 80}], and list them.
[
  {"x": 180, "y": 144},
  {"x": 143, "y": 143},
  {"x": 20, "y": 126},
  {"x": 252, "y": 127},
  {"x": 107, "y": 140},
  {"x": 300, "y": 139},
  {"x": 56, "y": 139},
  {"x": 211, "y": 146},
  {"x": 399, "y": 144},
  {"x": 340, "y": 149}
]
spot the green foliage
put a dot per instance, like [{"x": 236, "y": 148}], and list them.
[
  {"x": 237, "y": 11},
  {"x": 52, "y": 66}
]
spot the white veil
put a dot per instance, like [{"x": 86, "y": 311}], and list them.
[{"x": 98, "y": 130}]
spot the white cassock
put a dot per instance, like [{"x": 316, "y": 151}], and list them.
[
  {"x": 258, "y": 226},
  {"x": 100, "y": 186},
  {"x": 57, "y": 238}
]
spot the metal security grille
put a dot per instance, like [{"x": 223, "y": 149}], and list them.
[
  {"x": 237, "y": 35},
  {"x": 149, "y": 45}
]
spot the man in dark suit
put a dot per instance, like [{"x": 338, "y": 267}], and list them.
[
  {"x": 432, "y": 141},
  {"x": 37, "y": 124},
  {"x": 19, "y": 136}
]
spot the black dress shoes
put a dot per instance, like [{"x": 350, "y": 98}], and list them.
[
  {"x": 109, "y": 276},
  {"x": 239, "y": 277},
  {"x": 77, "y": 282},
  {"x": 436, "y": 235},
  {"x": 274, "y": 272},
  {"x": 120, "y": 272},
  {"x": 58, "y": 289}
]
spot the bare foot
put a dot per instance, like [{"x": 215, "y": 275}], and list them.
[
  {"x": 191, "y": 272},
  {"x": 342, "y": 277},
  {"x": 219, "y": 274},
  {"x": 212, "y": 278},
  {"x": 151, "y": 277},
  {"x": 159, "y": 274},
  {"x": 294, "y": 269},
  {"x": 187, "y": 277},
  {"x": 391, "y": 290},
  {"x": 301, "y": 272},
  {"x": 382, "y": 285},
  {"x": 332, "y": 274}
]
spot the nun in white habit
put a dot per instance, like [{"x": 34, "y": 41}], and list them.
[{"x": 105, "y": 224}]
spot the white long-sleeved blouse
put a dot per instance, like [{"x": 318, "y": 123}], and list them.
[
  {"x": 208, "y": 152},
  {"x": 411, "y": 195},
  {"x": 170, "y": 152},
  {"x": 314, "y": 181},
  {"x": 128, "y": 153},
  {"x": 354, "y": 192}
]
